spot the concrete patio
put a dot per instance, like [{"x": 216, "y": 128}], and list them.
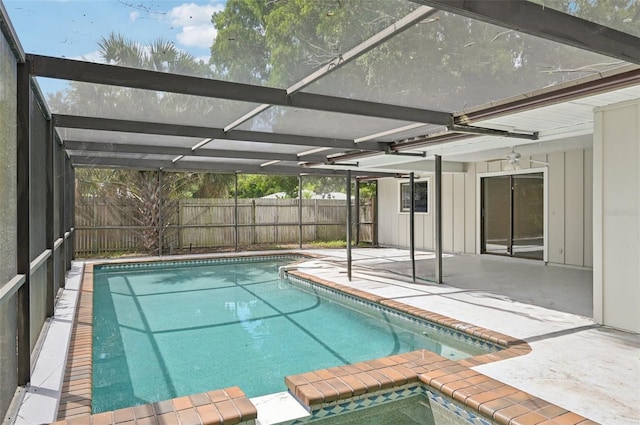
[
  {"x": 575, "y": 363},
  {"x": 567, "y": 289}
]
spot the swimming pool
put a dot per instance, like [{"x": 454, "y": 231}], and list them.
[{"x": 164, "y": 330}]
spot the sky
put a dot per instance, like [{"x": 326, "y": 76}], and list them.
[{"x": 73, "y": 28}]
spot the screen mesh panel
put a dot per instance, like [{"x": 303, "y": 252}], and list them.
[
  {"x": 8, "y": 314},
  {"x": 37, "y": 180},
  {"x": 289, "y": 120},
  {"x": 451, "y": 63}
]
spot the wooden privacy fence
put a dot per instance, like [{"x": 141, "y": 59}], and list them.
[{"x": 106, "y": 226}]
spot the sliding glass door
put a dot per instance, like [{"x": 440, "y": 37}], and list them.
[{"x": 513, "y": 215}]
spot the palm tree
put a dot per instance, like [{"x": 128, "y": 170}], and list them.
[
  {"x": 150, "y": 201},
  {"x": 159, "y": 55}
]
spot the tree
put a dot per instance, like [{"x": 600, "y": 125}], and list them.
[
  {"x": 140, "y": 192},
  {"x": 240, "y": 52},
  {"x": 445, "y": 62},
  {"x": 211, "y": 185},
  {"x": 259, "y": 185}
]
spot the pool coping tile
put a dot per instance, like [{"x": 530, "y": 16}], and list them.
[
  {"x": 227, "y": 406},
  {"x": 499, "y": 402}
]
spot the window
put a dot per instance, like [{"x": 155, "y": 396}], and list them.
[{"x": 420, "y": 196}]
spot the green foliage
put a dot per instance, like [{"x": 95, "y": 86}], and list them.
[
  {"x": 240, "y": 52},
  {"x": 367, "y": 190},
  {"x": 257, "y": 185},
  {"x": 159, "y": 55},
  {"x": 325, "y": 184},
  {"x": 622, "y": 15},
  {"x": 328, "y": 244},
  {"x": 444, "y": 62}
]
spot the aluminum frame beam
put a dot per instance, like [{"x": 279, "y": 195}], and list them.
[
  {"x": 540, "y": 21},
  {"x": 77, "y": 145},
  {"x": 98, "y": 73},
  {"x": 349, "y": 223},
  {"x": 23, "y": 226},
  {"x": 438, "y": 218},
  {"x": 88, "y": 161},
  {"x": 10, "y": 35},
  {"x": 144, "y": 127},
  {"x": 342, "y": 59}
]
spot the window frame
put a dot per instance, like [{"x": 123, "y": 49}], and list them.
[{"x": 405, "y": 184}]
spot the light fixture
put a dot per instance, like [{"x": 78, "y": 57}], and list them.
[
  {"x": 512, "y": 161},
  {"x": 511, "y": 166}
]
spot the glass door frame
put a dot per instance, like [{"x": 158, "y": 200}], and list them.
[{"x": 545, "y": 207}]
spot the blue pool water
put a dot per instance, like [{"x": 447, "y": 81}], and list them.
[{"x": 171, "y": 330}]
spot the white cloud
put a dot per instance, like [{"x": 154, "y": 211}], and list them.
[
  {"x": 94, "y": 56},
  {"x": 191, "y": 14},
  {"x": 199, "y": 36},
  {"x": 133, "y": 16},
  {"x": 195, "y": 22}
]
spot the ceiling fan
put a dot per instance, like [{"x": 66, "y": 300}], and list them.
[{"x": 513, "y": 161}]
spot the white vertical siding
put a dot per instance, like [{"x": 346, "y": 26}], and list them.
[
  {"x": 470, "y": 208},
  {"x": 574, "y": 207},
  {"x": 556, "y": 208},
  {"x": 387, "y": 212},
  {"x": 458, "y": 212},
  {"x": 494, "y": 166},
  {"x": 569, "y": 210},
  {"x": 587, "y": 225},
  {"x": 403, "y": 230},
  {"x": 447, "y": 212},
  {"x": 616, "y": 271}
]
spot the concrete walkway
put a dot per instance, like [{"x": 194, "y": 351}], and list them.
[
  {"x": 528, "y": 281},
  {"x": 576, "y": 364}
]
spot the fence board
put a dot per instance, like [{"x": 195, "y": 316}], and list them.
[{"x": 104, "y": 226}]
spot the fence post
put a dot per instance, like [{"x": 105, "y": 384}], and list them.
[
  {"x": 315, "y": 219},
  {"x": 180, "y": 221},
  {"x": 95, "y": 227},
  {"x": 276, "y": 226},
  {"x": 300, "y": 211},
  {"x": 374, "y": 206},
  {"x": 235, "y": 199},
  {"x": 253, "y": 222},
  {"x": 160, "y": 212},
  {"x": 357, "y": 212}
]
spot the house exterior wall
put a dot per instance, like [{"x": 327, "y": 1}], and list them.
[
  {"x": 616, "y": 182},
  {"x": 570, "y": 176}
]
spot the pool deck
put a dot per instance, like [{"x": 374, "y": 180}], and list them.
[{"x": 590, "y": 370}]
